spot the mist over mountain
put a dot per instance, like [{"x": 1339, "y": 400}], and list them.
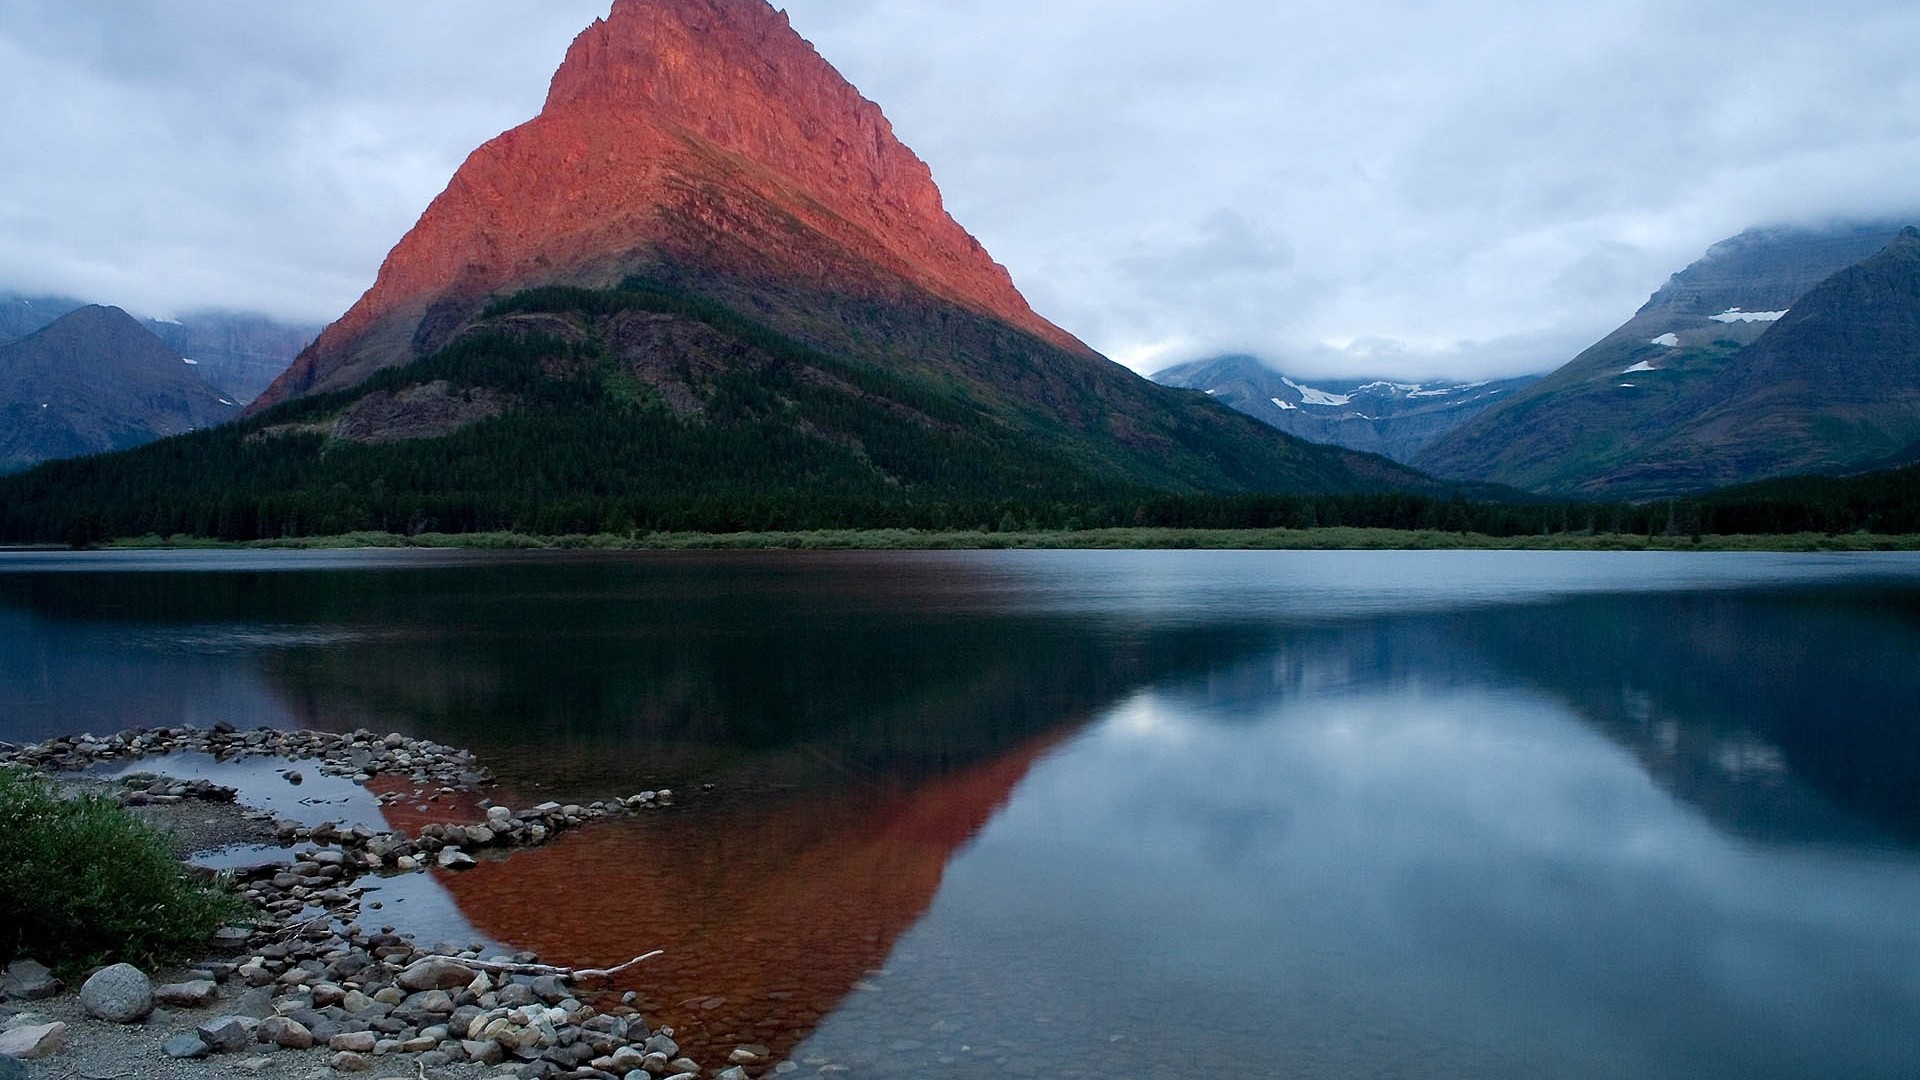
[{"x": 1394, "y": 418}]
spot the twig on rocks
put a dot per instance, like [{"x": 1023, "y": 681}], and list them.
[{"x": 572, "y": 975}]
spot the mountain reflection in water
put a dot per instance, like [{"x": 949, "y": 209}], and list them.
[{"x": 770, "y": 910}]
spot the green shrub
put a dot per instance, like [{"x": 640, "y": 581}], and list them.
[{"x": 83, "y": 883}]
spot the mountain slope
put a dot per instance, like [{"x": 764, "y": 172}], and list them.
[
  {"x": 1376, "y": 416},
  {"x": 96, "y": 380},
  {"x": 1834, "y": 386},
  {"x": 1584, "y": 429},
  {"x": 702, "y": 150}
]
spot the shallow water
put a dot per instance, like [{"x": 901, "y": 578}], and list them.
[{"x": 1140, "y": 813}]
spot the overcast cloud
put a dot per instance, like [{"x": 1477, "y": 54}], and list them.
[{"x": 1381, "y": 187}]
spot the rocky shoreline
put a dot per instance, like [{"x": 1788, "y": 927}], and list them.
[{"x": 307, "y": 990}]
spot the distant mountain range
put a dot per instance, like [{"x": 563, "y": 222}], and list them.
[
  {"x": 96, "y": 380},
  {"x": 239, "y": 352},
  {"x": 1785, "y": 350},
  {"x": 1379, "y": 416}
]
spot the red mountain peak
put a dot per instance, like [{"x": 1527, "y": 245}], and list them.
[{"x": 707, "y": 133}]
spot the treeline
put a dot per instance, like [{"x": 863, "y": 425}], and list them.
[{"x": 787, "y": 439}]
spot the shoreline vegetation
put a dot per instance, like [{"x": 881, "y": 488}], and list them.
[{"x": 1117, "y": 539}]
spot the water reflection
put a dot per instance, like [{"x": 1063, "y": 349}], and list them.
[{"x": 1144, "y": 814}]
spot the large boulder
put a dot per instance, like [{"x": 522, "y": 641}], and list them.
[{"x": 121, "y": 994}]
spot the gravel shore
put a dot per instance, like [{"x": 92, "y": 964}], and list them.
[{"x": 311, "y": 992}]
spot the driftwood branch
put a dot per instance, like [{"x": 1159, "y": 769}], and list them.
[{"x": 570, "y": 974}]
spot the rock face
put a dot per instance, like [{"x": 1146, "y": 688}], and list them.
[
  {"x": 1614, "y": 421},
  {"x": 1376, "y": 416},
  {"x": 96, "y": 380},
  {"x": 121, "y": 994},
  {"x": 704, "y": 135}
]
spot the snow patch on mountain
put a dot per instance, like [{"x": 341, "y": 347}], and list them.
[
  {"x": 1735, "y": 315},
  {"x": 1310, "y": 396},
  {"x": 1639, "y": 367},
  {"x": 1670, "y": 341},
  {"x": 1285, "y": 406}
]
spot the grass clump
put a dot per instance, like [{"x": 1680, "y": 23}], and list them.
[{"x": 84, "y": 883}]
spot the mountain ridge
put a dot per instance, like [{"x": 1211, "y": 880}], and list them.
[
  {"x": 1582, "y": 430},
  {"x": 96, "y": 380}
]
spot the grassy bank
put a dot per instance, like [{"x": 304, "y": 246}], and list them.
[{"x": 1330, "y": 539}]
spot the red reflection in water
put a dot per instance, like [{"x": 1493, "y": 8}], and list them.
[
  {"x": 771, "y": 911},
  {"x": 416, "y": 809}
]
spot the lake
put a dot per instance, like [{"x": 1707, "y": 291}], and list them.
[{"x": 1143, "y": 814}]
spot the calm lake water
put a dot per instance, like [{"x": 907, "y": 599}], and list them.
[{"x": 1143, "y": 814}]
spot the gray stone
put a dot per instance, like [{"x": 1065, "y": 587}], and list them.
[
  {"x": 121, "y": 994},
  {"x": 197, "y": 994},
  {"x": 453, "y": 858},
  {"x": 231, "y": 938},
  {"x": 735, "y": 1073},
  {"x": 256, "y": 1003},
  {"x": 28, "y": 980},
  {"x": 348, "y": 1061},
  {"x": 663, "y": 1044},
  {"x": 355, "y": 1042},
  {"x": 284, "y": 1033},
  {"x": 35, "y": 1042},
  {"x": 550, "y": 989},
  {"x": 228, "y": 1034},
  {"x": 435, "y": 973},
  {"x": 188, "y": 1046},
  {"x": 484, "y": 1051}
]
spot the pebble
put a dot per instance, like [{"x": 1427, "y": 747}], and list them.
[
  {"x": 228, "y": 1033},
  {"x": 284, "y": 1033},
  {"x": 197, "y": 994},
  {"x": 188, "y": 1046}
]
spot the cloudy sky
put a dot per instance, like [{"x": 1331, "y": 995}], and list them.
[{"x": 1381, "y": 187}]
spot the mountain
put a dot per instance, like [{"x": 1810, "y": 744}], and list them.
[
  {"x": 705, "y": 288},
  {"x": 1611, "y": 422},
  {"x": 702, "y": 140},
  {"x": 238, "y": 352},
  {"x": 96, "y": 380},
  {"x": 1377, "y": 416}
]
